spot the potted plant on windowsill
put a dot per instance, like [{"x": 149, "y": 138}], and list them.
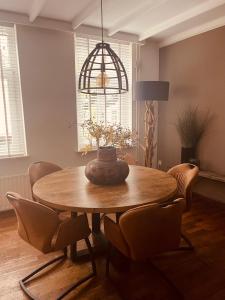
[
  {"x": 191, "y": 125},
  {"x": 111, "y": 141}
]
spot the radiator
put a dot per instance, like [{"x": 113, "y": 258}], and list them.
[{"x": 18, "y": 183}]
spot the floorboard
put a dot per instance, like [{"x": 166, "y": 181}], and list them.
[{"x": 195, "y": 275}]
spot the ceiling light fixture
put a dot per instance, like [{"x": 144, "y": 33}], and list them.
[{"x": 103, "y": 72}]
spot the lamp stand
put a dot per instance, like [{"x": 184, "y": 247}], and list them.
[{"x": 149, "y": 133}]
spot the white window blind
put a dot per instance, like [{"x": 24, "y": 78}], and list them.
[
  {"x": 12, "y": 136},
  {"x": 109, "y": 109}
]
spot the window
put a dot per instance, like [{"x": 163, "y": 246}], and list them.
[
  {"x": 110, "y": 108},
  {"x": 12, "y": 135}
]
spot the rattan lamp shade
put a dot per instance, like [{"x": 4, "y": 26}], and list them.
[
  {"x": 152, "y": 90},
  {"x": 103, "y": 72}
]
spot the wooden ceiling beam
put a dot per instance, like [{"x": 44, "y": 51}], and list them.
[
  {"x": 36, "y": 8},
  {"x": 85, "y": 13},
  {"x": 132, "y": 15},
  {"x": 180, "y": 18}
]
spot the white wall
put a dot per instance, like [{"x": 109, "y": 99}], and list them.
[{"x": 48, "y": 87}]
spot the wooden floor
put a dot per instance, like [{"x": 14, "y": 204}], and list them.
[{"x": 196, "y": 275}]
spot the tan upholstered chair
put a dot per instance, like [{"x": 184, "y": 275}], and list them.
[
  {"x": 185, "y": 174},
  {"x": 145, "y": 231},
  {"x": 51, "y": 234},
  {"x": 39, "y": 169}
]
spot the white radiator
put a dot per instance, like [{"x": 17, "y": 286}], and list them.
[{"x": 18, "y": 183}]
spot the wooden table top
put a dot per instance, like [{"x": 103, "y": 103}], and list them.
[{"x": 70, "y": 190}]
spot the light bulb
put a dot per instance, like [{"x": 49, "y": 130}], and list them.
[{"x": 102, "y": 80}]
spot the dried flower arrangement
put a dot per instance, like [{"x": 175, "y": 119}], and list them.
[{"x": 113, "y": 135}]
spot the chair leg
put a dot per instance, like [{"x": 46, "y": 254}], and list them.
[
  {"x": 189, "y": 246},
  {"x": 169, "y": 282},
  {"x": 62, "y": 257},
  {"x": 108, "y": 256},
  {"x": 36, "y": 271},
  {"x": 73, "y": 286}
]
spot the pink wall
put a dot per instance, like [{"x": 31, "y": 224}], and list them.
[{"x": 195, "y": 68}]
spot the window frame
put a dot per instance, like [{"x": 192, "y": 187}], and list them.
[{"x": 9, "y": 77}]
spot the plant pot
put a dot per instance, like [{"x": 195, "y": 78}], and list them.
[
  {"x": 187, "y": 154},
  {"x": 106, "y": 169}
]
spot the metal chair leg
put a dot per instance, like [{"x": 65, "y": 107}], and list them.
[
  {"x": 62, "y": 257},
  {"x": 74, "y": 285},
  {"x": 190, "y": 246},
  {"x": 169, "y": 282},
  {"x": 36, "y": 271}
]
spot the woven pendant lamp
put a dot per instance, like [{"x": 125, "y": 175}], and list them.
[{"x": 103, "y": 72}]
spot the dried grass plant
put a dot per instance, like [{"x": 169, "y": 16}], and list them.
[{"x": 191, "y": 125}]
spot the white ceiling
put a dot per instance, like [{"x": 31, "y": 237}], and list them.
[{"x": 163, "y": 20}]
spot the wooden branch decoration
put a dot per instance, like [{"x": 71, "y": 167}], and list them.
[{"x": 149, "y": 133}]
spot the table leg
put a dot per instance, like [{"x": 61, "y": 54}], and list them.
[
  {"x": 96, "y": 223},
  {"x": 118, "y": 214},
  {"x": 99, "y": 241},
  {"x": 73, "y": 247}
]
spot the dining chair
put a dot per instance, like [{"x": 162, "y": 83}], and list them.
[
  {"x": 146, "y": 231},
  {"x": 49, "y": 235},
  {"x": 38, "y": 170},
  {"x": 186, "y": 175}
]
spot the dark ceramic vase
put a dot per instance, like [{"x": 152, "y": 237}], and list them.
[
  {"x": 187, "y": 154},
  {"x": 106, "y": 169}
]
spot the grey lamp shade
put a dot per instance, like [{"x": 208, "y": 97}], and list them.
[{"x": 152, "y": 90}]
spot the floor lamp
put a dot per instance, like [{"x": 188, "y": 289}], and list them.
[{"x": 150, "y": 91}]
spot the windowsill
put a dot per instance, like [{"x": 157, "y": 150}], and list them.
[
  {"x": 81, "y": 151},
  {"x": 14, "y": 157},
  {"x": 95, "y": 150}
]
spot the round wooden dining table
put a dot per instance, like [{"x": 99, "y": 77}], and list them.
[{"x": 70, "y": 190}]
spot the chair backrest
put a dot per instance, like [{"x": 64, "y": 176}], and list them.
[
  {"x": 37, "y": 223},
  {"x": 152, "y": 229},
  {"x": 185, "y": 174},
  {"x": 39, "y": 169}
]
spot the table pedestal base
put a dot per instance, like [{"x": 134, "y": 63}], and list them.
[
  {"x": 99, "y": 248},
  {"x": 99, "y": 241}
]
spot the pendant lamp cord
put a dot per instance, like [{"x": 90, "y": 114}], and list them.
[
  {"x": 102, "y": 19},
  {"x": 103, "y": 63}
]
